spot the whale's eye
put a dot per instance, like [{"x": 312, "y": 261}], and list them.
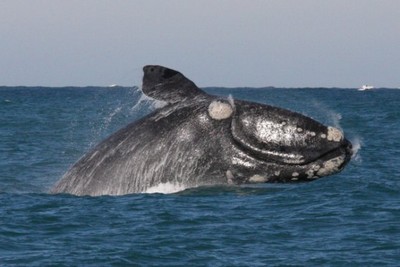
[{"x": 220, "y": 110}]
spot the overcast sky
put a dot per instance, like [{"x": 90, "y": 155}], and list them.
[{"x": 330, "y": 43}]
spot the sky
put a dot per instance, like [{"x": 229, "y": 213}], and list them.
[{"x": 229, "y": 43}]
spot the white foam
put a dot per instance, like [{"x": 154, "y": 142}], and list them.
[{"x": 165, "y": 188}]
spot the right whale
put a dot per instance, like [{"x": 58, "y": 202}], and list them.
[{"x": 199, "y": 139}]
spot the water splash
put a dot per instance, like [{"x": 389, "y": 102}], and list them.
[
  {"x": 231, "y": 101},
  {"x": 166, "y": 188},
  {"x": 335, "y": 118},
  {"x": 330, "y": 116},
  {"x": 146, "y": 101},
  {"x": 142, "y": 106},
  {"x": 357, "y": 144},
  {"x": 107, "y": 120}
]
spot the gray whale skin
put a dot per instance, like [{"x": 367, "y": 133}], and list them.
[{"x": 198, "y": 139}]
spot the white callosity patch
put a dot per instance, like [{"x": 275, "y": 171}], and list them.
[
  {"x": 316, "y": 167},
  {"x": 334, "y": 134},
  {"x": 311, "y": 172},
  {"x": 331, "y": 166},
  {"x": 282, "y": 134},
  {"x": 258, "y": 179},
  {"x": 219, "y": 110},
  {"x": 295, "y": 176},
  {"x": 270, "y": 131}
]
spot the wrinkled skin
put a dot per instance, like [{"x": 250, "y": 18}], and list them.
[{"x": 198, "y": 139}]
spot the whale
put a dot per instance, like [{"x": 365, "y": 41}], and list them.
[{"x": 198, "y": 139}]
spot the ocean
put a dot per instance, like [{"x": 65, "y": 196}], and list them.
[{"x": 348, "y": 219}]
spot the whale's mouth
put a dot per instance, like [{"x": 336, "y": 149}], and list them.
[
  {"x": 329, "y": 163},
  {"x": 281, "y": 158},
  {"x": 343, "y": 153},
  {"x": 326, "y": 164}
]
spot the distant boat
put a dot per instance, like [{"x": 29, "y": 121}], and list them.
[
  {"x": 113, "y": 85},
  {"x": 365, "y": 87}
]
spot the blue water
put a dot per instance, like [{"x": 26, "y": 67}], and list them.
[{"x": 349, "y": 219}]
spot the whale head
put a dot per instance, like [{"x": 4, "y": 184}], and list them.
[
  {"x": 296, "y": 147},
  {"x": 262, "y": 143}
]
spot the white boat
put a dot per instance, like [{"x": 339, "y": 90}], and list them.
[{"x": 365, "y": 87}]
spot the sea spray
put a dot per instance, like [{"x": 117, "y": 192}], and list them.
[
  {"x": 231, "y": 101},
  {"x": 107, "y": 120},
  {"x": 130, "y": 109},
  {"x": 357, "y": 144},
  {"x": 146, "y": 101},
  {"x": 326, "y": 114}
]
